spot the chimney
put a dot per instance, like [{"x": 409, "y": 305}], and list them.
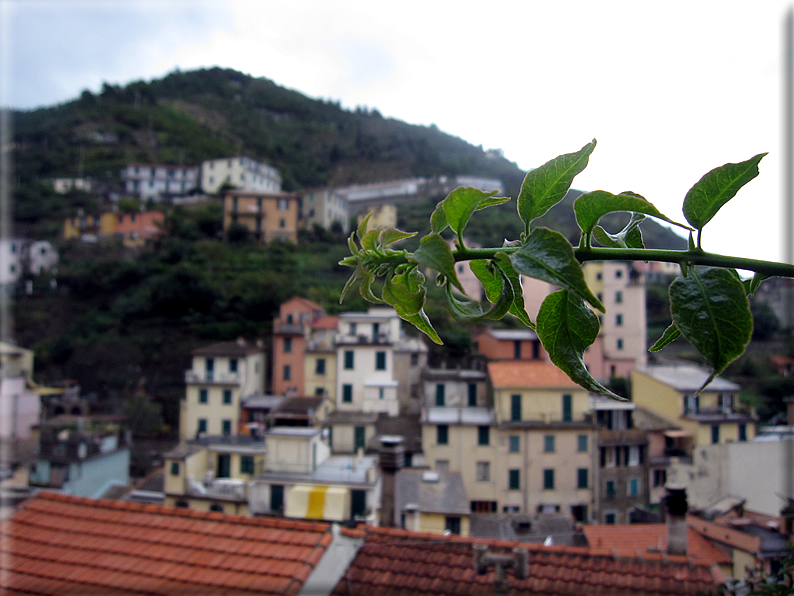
[
  {"x": 675, "y": 508},
  {"x": 392, "y": 457}
]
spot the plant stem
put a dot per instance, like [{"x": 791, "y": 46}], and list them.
[{"x": 691, "y": 257}]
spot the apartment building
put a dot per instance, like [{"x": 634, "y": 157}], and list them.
[
  {"x": 291, "y": 332},
  {"x": 239, "y": 172},
  {"x": 267, "y": 215},
  {"x": 323, "y": 207},
  {"x": 221, "y": 375},
  {"x": 155, "y": 181}
]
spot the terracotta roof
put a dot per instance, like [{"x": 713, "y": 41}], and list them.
[
  {"x": 325, "y": 323},
  {"x": 629, "y": 540},
  {"x": 58, "y": 544},
  {"x": 519, "y": 373},
  {"x": 399, "y": 562}
]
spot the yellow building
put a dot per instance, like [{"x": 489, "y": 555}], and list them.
[
  {"x": 381, "y": 216},
  {"x": 706, "y": 419},
  {"x": 221, "y": 375},
  {"x": 531, "y": 452},
  {"x": 213, "y": 474},
  {"x": 90, "y": 225},
  {"x": 268, "y": 216}
]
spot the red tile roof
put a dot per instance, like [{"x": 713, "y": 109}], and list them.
[
  {"x": 398, "y": 562},
  {"x": 58, "y": 544},
  {"x": 518, "y": 373},
  {"x": 629, "y": 540},
  {"x": 325, "y": 323}
]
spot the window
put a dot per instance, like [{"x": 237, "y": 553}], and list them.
[
  {"x": 634, "y": 456},
  {"x": 472, "y": 395},
  {"x": 352, "y": 329},
  {"x": 609, "y": 518},
  {"x": 203, "y": 396},
  {"x": 442, "y": 434},
  {"x": 287, "y": 372},
  {"x": 567, "y": 408},
  {"x": 227, "y": 396},
  {"x": 349, "y": 359},
  {"x": 548, "y": 444},
  {"x": 414, "y": 359},
  {"x": 517, "y": 349},
  {"x": 347, "y": 393},
  {"x": 581, "y": 443},
  {"x": 380, "y": 393},
  {"x": 227, "y": 427},
  {"x": 442, "y": 465},
  {"x": 514, "y": 443},
  {"x": 319, "y": 366},
  {"x": 440, "y": 394},
  {"x": 209, "y": 368},
  {"x": 599, "y": 276},
  {"x": 634, "y": 487},
  {"x": 380, "y": 360},
  {"x": 715, "y": 434},
  {"x": 233, "y": 365},
  {"x": 610, "y": 486},
  {"x": 483, "y": 435},
  {"x": 659, "y": 477},
  {"x": 618, "y": 319},
  {"x": 581, "y": 477},
  {"x": 282, "y": 223},
  {"x": 620, "y": 344},
  {"x": 618, "y": 297},
  {"x": 514, "y": 479},
  {"x": 515, "y": 408},
  {"x": 618, "y": 273},
  {"x": 287, "y": 345},
  {"x": 283, "y": 205},
  {"x": 742, "y": 432},
  {"x": 202, "y": 425},
  {"x": 246, "y": 464},
  {"x": 452, "y": 525},
  {"x": 548, "y": 479},
  {"x": 174, "y": 468},
  {"x": 483, "y": 471}
]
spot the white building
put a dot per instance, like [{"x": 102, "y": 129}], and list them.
[
  {"x": 323, "y": 207},
  {"x": 240, "y": 172},
  {"x": 151, "y": 181},
  {"x": 19, "y": 256},
  {"x": 64, "y": 185}
]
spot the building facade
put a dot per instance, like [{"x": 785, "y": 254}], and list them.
[
  {"x": 267, "y": 215},
  {"x": 239, "y": 172},
  {"x": 154, "y": 181}
]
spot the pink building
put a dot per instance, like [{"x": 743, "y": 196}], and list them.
[{"x": 137, "y": 228}]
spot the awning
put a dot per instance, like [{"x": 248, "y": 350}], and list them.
[
  {"x": 317, "y": 502},
  {"x": 674, "y": 434}
]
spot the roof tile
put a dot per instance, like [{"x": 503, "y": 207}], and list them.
[{"x": 68, "y": 544}]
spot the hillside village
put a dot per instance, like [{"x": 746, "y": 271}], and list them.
[{"x": 331, "y": 454}]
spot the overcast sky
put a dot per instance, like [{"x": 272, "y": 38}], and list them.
[{"x": 670, "y": 90}]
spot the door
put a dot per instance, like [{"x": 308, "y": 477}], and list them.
[
  {"x": 359, "y": 438},
  {"x": 277, "y": 498},
  {"x": 358, "y": 503},
  {"x": 224, "y": 469}
]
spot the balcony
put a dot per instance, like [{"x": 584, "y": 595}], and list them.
[
  {"x": 631, "y": 436},
  {"x": 219, "y": 488},
  {"x": 288, "y": 328},
  {"x": 380, "y": 338},
  {"x": 228, "y": 378}
]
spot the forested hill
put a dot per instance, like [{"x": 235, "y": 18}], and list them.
[{"x": 188, "y": 117}]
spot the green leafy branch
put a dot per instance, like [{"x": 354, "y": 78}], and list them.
[{"x": 709, "y": 303}]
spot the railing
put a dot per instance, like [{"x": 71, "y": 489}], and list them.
[
  {"x": 214, "y": 377},
  {"x": 219, "y": 488},
  {"x": 294, "y": 328}
]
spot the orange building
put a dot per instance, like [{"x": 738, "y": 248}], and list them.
[
  {"x": 290, "y": 331},
  {"x": 268, "y": 216},
  {"x": 136, "y": 228}
]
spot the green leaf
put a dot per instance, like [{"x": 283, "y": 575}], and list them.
[
  {"x": 517, "y": 309},
  {"x": 716, "y": 188},
  {"x": 406, "y": 290},
  {"x": 711, "y": 310},
  {"x": 434, "y": 252},
  {"x": 755, "y": 283},
  {"x": 669, "y": 336},
  {"x": 421, "y": 322},
  {"x": 546, "y": 185},
  {"x": 566, "y": 327},
  {"x": 366, "y": 290},
  {"x": 391, "y": 235},
  {"x": 592, "y": 206},
  {"x": 362, "y": 226},
  {"x": 463, "y": 307},
  {"x": 547, "y": 255},
  {"x": 498, "y": 290},
  {"x": 370, "y": 240},
  {"x": 628, "y": 237},
  {"x": 438, "y": 219},
  {"x": 460, "y": 204},
  {"x": 351, "y": 244}
]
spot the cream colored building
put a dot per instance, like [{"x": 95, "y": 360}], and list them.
[
  {"x": 302, "y": 480},
  {"x": 432, "y": 501},
  {"x": 708, "y": 419},
  {"x": 323, "y": 207},
  {"x": 240, "y": 172},
  {"x": 213, "y": 473},
  {"x": 221, "y": 375}
]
